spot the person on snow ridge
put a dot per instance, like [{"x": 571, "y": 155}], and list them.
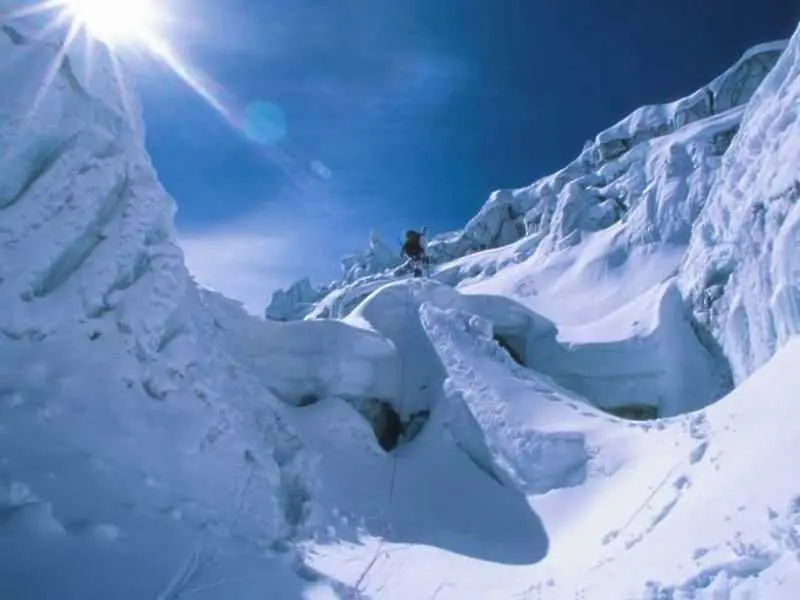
[{"x": 414, "y": 250}]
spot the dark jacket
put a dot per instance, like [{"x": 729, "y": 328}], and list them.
[{"x": 413, "y": 247}]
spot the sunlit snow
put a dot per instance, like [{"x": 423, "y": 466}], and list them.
[{"x": 591, "y": 397}]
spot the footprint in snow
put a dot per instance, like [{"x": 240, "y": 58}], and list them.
[
  {"x": 698, "y": 453},
  {"x": 610, "y": 537},
  {"x": 682, "y": 482}
]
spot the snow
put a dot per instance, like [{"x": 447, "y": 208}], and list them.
[
  {"x": 388, "y": 437},
  {"x": 296, "y": 302},
  {"x": 742, "y": 268},
  {"x": 620, "y": 503},
  {"x": 732, "y": 88},
  {"x": 302, "y": 299},
  {"x": 651, "y": 173}
]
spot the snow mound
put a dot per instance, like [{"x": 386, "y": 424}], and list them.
[
  {"x": 742, "y": 271},
  {"x": 304, "y": 361},
  {"x": 658, "y": 363},
  {"x": 393, "y": 311}
]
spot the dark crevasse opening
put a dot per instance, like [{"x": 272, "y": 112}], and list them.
[
  {"x": 390, "y": 430},
  {"x": 508, "y": 347},
  {"x": 634, "y": 412}
]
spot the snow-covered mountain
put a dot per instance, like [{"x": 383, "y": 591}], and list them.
[
  {"x": 589, "y": 398},
  {"x": 651, "y": 171}
]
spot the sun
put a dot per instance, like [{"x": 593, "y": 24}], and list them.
[
  {"x": 143, "y": 26},
  {"x": 114, "y": 21}
]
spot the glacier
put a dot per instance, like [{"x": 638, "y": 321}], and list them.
[{"x": 590, "y": 396}]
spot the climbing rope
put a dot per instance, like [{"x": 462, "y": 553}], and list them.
[{"x": 356, "y": 589}]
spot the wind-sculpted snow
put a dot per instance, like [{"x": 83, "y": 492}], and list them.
[
  {"x": 743, "y": 267},
  {"x": 625, "y": 167},
  {"x": 303, "y": 299},
  {"x": 295, "y": 302},
  {"x": 131, "y": 435},
  {"x": 304, "y": 361},
  {"x": 733, "y": 88},
  {"x": 158, "y": 442},
  {"x": 87, "y": 230},
  {"x": 393, "y": 311},
  {"x": 660, "y": 364},
  {"x": 493, "y": 431}
]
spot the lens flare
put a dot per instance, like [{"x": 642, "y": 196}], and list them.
[
  {"x": 120, "y": 25},
  {"x": 265, "y": 123},
  {"x": 146, "y": 26}
]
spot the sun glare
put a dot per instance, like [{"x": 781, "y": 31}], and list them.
[
  {"x": 143, "y": 26},
  {"x": 114, "y": 21}
]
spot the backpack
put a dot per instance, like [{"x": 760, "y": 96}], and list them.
[{"x": 413, "y": 244}]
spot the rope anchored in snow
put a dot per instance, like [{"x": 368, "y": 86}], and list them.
[
  {"x": 356, "y": 590},
  {"x": 384, "y": 533}
]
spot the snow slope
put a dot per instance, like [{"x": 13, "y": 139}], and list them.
[
  {"x": 628, "y": 510},
  {"x": 158, "y": 442},
  {"x": 607, "y": 254}
]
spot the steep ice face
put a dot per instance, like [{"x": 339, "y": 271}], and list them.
[
  {"x": 653, "y": 152},
  {"x": 742, "y": 271},
  {"x": 87, "y": 230},
  {"x": 138, "y": 391},
  {"x": 733, "y": 88}
]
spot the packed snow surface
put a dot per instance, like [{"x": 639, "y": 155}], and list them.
[{"x": 450, "y": 437}]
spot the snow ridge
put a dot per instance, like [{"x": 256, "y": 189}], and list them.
[{"x": 652, "y": 172}]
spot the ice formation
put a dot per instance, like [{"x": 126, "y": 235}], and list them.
[{"x": 468, "y": 429}]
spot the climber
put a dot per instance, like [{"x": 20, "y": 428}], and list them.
[{"x": 414, "y": 250}]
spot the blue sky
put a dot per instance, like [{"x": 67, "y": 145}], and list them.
[{"x": 405, "y": 113}]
